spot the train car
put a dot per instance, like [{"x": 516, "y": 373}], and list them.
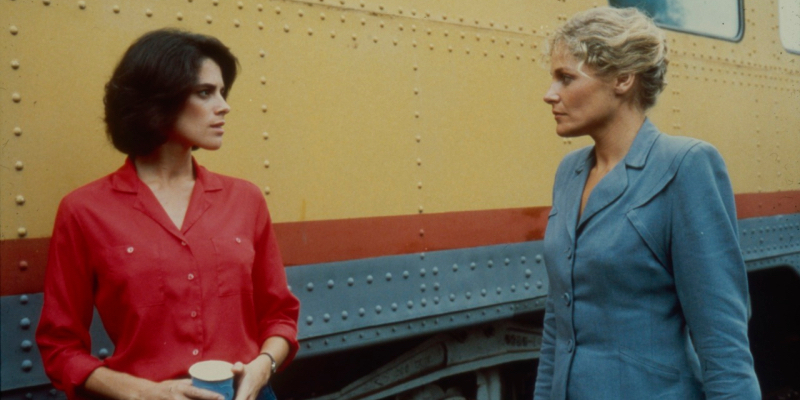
[{"x": 407, "y": 159}]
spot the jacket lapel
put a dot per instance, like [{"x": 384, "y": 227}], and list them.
[{"x": 613, "y": 185}]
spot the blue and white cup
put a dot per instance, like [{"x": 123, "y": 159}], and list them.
[{"x": 213, "y": 375}]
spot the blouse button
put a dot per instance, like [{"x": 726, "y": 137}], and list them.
[
  {"x": 183, "y": 243},
  {"x": 238, "y": 240},
  {"x": 567, "y": 299},
  {"x": 191, "y": 276},
  {"x": 570, "y": 346},
  {"x": 194, "y": 314},
  {"x": 130, "y": 249},
  {"x": 195, "y": 352}
]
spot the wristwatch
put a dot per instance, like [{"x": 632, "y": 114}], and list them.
[{"x": 272, "y": 359}]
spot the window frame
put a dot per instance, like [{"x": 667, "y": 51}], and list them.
[{"x": 737, "y": 38}]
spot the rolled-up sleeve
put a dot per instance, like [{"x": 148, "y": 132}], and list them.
[
  {"x": 63, "y": 331},
  {"x": 277, "y": 309},
  {"x": 710, "y": 275}
]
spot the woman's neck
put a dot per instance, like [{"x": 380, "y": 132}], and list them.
[
  {"x": 615, "y": 139},
  {"x": 169, "y": 162}
]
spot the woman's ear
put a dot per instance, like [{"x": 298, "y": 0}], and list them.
[{"x": 624, "y": 84}]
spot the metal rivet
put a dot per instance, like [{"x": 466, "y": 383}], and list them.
[
  {"x": 472, "y": 265},
  {"x": 236, "y": 23},
  {"x": 361, "y": 311},
  {"x": 369, "y": 278},
  {"x": 209, "y": 19},
  {"x": 422, "y": 272},
  {"x": 310, "y": 32},
  {"x": 267, "y": 190},
  {"x": 18, "y": 166},
  {"x": 483, "y": 292},
  {"x": 350, "y": 281},
  {"x": 263, "y": 108},
  {"x": 116, "y": 9},
  {"x": 345, "y": 315},
  {"x": 527, "y": 285},
  {"x": 330, "y": 284},
  {"x": 240, "y": 5},
  {"x": 26, "y": 345},
  {"x": 539, "y": 284},
  {"x": 422, "y": 287},
  {"x": 262, "y": 53},
  {"x": 528, "y": 273},
  {"x": 27, "y": 365},
  {"x": 468, "y": 295},
  {"x": 423, "y": 303},
  {"x": 16, "y": 97},
  {"x": 260, "y": 25},
  {"x": 410, "y": 304},
  {"x": 455, "y": 267},
  {"x": 22, "y": 232},
  {"x": 266, "y": 163},
  {"x": 499, "y": 290},
  {"x": 23, "y": 265},
  {"x": 23, "y": 299},
  {"x": 513, "y": 288},
  {"x": 507, "y": 261},
  {"x": 13, "y": 29},
  {"x": 215, "y": 2},
  {"x": 25, "y": 323},
  {"x": 15, "y": 64},
  {"x": 148, "y": 12},
  {"x": 378, "y": 309},
  {"x": 388, "y": 276},
  {"x": 436, "y": 286},
  {"x": 490, "y": 264},
  {"x": 422, "y": 232},
  {"x": 20, "y": 200},
  {"x": 310, "y": 287},
  {"x": 264, "y": 82},
  {"x": 522, "y": 260},
  {"x": 103, "y": 353},
  {"x": 309, "y": 320},
  {"x": 17, "y": 131},
  {"x": 179, "y": 16},
  {"x": 82, "y": 5},
  {"x": 452, "y": 297},
  {"x": 326, "y": 317}
]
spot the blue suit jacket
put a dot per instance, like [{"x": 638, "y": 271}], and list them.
[{"x": 648, "y": 290}]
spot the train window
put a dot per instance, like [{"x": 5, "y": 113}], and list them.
[
  {"x": 789, "y": 23},
  {"x": 720, "y": 18}
]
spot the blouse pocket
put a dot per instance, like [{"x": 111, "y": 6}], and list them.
[
  {"x": 135, "y": 273},
  {"x": 234, "y": 263}
]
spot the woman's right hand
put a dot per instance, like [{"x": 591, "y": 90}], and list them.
[
  {"x": 180, "y": 389},
  {"x": 111, "y": 384}
]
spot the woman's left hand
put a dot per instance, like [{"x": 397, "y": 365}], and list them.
[{"x": 252, "y": 377}]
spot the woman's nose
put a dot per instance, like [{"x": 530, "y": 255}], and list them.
[
  {"x": 223, "y": 108},
  {"x": 550, "y": 97}
]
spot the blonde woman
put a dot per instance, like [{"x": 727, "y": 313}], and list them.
[{"x": 648, "y": 288}]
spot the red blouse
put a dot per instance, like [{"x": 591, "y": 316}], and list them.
[{"x": 168, "y": 297}]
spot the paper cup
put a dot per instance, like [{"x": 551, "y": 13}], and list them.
[{"x": 213, "y": 375}]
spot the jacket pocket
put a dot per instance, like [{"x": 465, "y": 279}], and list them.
[
  {"x": 234, "y": 263},
  {"x": 641, "y": 378}
]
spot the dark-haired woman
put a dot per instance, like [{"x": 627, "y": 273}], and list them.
[
  {"x": 181, "y": 263},
  {"x": 648, "y": 289}
]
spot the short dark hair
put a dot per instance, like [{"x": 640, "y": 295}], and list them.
[{"x": 151, "y": 83}]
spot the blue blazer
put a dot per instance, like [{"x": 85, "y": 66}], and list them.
[{"x": 648, "y": 289}]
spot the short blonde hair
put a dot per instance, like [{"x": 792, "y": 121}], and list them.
[{"x": 618, "y": 41}]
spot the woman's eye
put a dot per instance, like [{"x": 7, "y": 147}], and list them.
[
  {"x": 567, "y": 79},
  {"x": 204, "y": 93}
]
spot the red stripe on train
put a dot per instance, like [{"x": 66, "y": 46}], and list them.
[{"x": 22, "y": 261}]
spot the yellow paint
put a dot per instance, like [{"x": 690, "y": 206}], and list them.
[{"x": 373, "y": 108}]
